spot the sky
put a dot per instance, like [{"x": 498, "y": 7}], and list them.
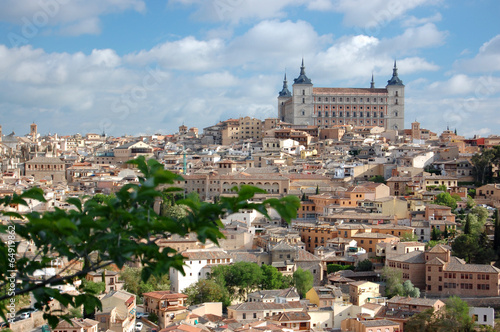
[{"x": 148, "y": 66}]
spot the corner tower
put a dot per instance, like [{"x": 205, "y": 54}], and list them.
[
  {"x": 396, "y": 102},
  {"x": 302, "y": 98},
  {"x": 284, "y": 112}
]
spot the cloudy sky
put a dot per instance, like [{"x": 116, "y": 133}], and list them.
[{"x": 137, "y": 66}]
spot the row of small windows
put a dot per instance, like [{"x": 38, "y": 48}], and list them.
[
  {"x": 348, "y": 114},
  {"x": 347, "y": 99},
  {"x": 354, "y": 107},
  {"x": 360, "y": 121}
]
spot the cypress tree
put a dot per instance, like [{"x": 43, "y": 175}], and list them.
[
  {"x": 467, "y": 226},
  {"x": 496, "y": 239}
]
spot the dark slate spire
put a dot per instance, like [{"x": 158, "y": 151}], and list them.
[
  {"x": 285, "y": 92},
  {"x": 395, "y": 79},
  {"x": 302, "y": 79},
  {"x": 372, "y": 83}
]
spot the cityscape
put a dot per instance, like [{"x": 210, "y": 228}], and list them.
[{"x": 191, "y": 183}]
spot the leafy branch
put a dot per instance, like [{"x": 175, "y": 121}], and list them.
[{"x": 98, "y": 233}]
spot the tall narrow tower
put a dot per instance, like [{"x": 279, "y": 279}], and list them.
[
  {"x": 33, "y": 131},
  {"x": 283, "y": 96},
  {"x": 302, "y": 98},
  {"x": 395, "y": 104}
]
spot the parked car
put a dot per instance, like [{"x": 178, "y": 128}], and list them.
[
  {"x": 138, "y": 326},
  {"x": 142, "y": 314},
  {"x": 25, "y": 315}
]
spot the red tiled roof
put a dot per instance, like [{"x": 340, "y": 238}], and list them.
[{"x": 164, "y": 295}]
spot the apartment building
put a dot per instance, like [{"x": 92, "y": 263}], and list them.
[{"x": 165, "y": 304}]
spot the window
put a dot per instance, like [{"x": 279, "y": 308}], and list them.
[
  {"x": 244, "y": 316},
  {"x": 254, "y": 315},
  {"x": 303, "y": 100},
  {"x": 303, "y": 92}
]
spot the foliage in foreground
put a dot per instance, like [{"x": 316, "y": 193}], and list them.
[{"x": 115, "y": 231}]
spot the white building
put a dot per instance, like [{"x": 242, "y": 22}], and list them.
[
  {"x": 197, "y": 266},
  {"x": 483, "y": 316}
]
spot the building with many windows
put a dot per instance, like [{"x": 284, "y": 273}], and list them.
[{"x": 330, "y": 107}]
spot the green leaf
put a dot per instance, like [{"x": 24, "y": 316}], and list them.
[{"x": 76, "y": 202}]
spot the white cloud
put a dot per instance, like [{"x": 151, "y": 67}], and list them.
[
  {"x": 413, "y": 21},
  {"x": 376, "y": 13},
  {"x": 70, "y": 17},
  {"x": 89, "y": 26},
  {"x": 185, "y": 54},
  {"x": 486, "y": 60},
  {"x": 235, "y": 11},
  {"x": 321, "y": 5},
  {"x": 415, "y": 38}
]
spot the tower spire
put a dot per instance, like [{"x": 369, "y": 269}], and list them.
[
  {"x": 395, "y": 79},
  {"x": 302, "y": 79},
  {"x": 285, "y": 92},
  {"x": 372, "y": 83}
]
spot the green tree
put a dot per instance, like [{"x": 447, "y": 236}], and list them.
[
  {"x": 133, "y": 283},
  {"x": 239, "y": 279},
  {"x": 481, "y": 213},
  {"x": 364, "y": 265},
  {"x": 303, "y": 281},
  {"x": 446, "y": 199},
  {"x": 470, "y": 202},
  {"x": 75, "y": 312},
  {"x": 207, "y": 290},
  {"x": 377, "y": 179},
  {"x": 317, "y": 189},
  {"x": 393, "y": 281},
  {"x": 455, "y": 316},
  {"x": 272, "y": 278},
  {"x": 435, "y": 234},
  {"x": 446, "y": 233},
  {"x": 153, "y": 317},
  {"x": 424, "y": 321},
  {"x": 496, "y": 241},
  {"x": 102, "y": 198},
  {"x": 409, "y": 237},
  {"x": 116, "y": 231},
  {"x": 93, "y": 287},
  {"x": 394, "y": 284},
  {"x": 410, "y": 290},
  {"x": 245, "y": 277},
  {"x": 332, "y": 268},
  {"x": 465, "y": 246},
  {"x": 482, "y": 166}
]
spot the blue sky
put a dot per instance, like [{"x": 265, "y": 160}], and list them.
[{"x": 134, "y": 66}]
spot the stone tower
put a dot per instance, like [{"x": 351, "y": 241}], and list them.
[
  {"x": 33, "y": 131},
  {"x": 395, "y": 104},
  {"x": 302, "y": 98},
  {"x": 283, "y": 96}
]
